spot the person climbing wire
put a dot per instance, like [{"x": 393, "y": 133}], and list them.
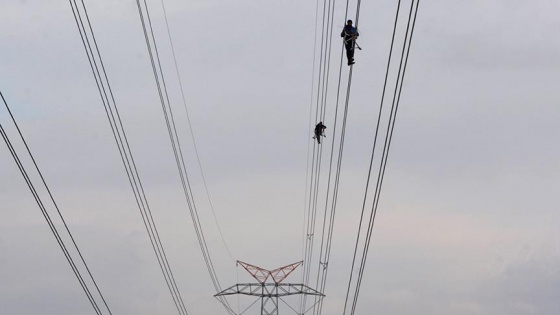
[
  {"x": 349, "y": 33},
  {"x": 319, "y": 131}
]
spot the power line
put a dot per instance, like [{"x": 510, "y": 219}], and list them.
[
  {"x": 321, "y": 277},
  {"x": 325, "y": 249},
  {"x": 325, "y": 244},
  {"x": 375, "y": 141},
  {"x": 390, "y": 128},
  {"x": 176, "y": 146},
  {"x": 396, "y": 101},
  {"x": 46, "y": 215},
  {"x": 316, "y": 153},
  {"x": 192, "y": 132},
  {"x": 117, "y": 128}
]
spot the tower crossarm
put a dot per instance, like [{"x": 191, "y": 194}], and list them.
[
  {"x": 272, "y": 292},
  {"x": 279, "y": 274},
  {"x": 260, "y": 274},
  {"x": 269, "y": 290}
]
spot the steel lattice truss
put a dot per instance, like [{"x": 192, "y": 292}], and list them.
[
  {"x": 270, "y": 293},
  {"x": 277, "y": 275},
  {"x": 269, "y": 290}
]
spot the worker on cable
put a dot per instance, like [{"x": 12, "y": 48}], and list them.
[
  {"x": 319, "y": 131},
  {"x": 349, "y": 33}
]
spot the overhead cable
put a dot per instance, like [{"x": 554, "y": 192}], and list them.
[
  {"x": 192, "y": 132},
  {"x": 315, "y": 161},
  {"x": 326, "y": 238},
  {"x": 176, "y": 146},
  {"x": 310, "y": 122},
  {"x": 383, "y": 163},
  {"x": 47, "y": 217},
  {"x": 110, "y": 106},
  {"x": 321, "y": 110}
]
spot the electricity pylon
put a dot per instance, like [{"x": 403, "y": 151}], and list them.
[{"x": 270, "y": 292}]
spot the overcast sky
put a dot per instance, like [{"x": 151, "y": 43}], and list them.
[{"x": 468, "y": 218}]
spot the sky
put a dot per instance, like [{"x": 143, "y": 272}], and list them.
[{"x": 468, "y": 214}]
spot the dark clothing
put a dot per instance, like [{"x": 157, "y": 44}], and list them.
[
  {"x": 319, "y": 128},
  {"x": 349, "y": 33},
  {"x": 349, "y": 45}
]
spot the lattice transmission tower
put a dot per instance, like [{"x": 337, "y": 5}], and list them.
[{"x": 271, "y": 292}]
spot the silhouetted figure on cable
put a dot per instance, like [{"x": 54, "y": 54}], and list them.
[
  {"x": 349, "y": 33},
  {"x": 319, "y": 131}
]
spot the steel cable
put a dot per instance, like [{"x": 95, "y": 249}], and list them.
[
  {"x": 47, "y": 217},
  {"x": 125, "y": 152},
  {"x": 176, "y": 146},
  {"x": 388, "y": 138}
]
